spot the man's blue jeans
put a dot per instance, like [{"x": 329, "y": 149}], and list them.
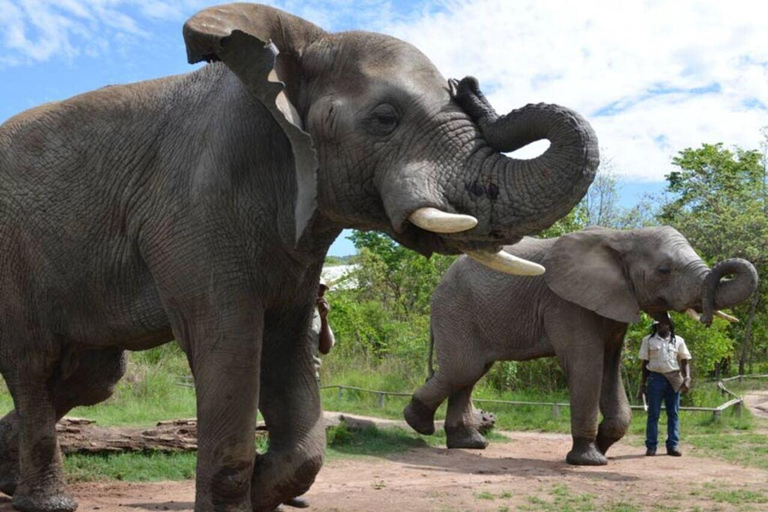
[{"x": 659, "y": 389}]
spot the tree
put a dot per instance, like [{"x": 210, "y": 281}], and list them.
[{"x": 720, "y": 205}]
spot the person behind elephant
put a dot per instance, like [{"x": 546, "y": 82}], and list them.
[
  {"x": 321, "y": 338},
  {"x": 666, "y": 373},
  {"x": 597, "y": 282}
]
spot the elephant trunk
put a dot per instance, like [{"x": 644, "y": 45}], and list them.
[
  {"x": 527, "y": 196},
  {"x": 717, "y": 294}
]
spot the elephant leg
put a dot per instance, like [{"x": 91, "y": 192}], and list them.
[
  {"x": 613, "y": 402},
  {"x": 40, "y": 486},
  {"x": 9, "y": 452},
  {"x": 420, "y": 411},
  {"x": 583, "y": 364},
  {"x": 92, "y": 381},
  {"x": 222, "y": 341},
  {"x": 462, "y": 425},
  {"x": 290, "y": 404},
  {"x": 460, "y": 365}
]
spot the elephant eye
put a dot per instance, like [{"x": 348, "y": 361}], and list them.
[
  {"x": 383, "y": 119},
  {"x": 664, "y": 270}
]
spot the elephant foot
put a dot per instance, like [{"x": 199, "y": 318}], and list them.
[
  {"x": 603, "y": 443},
  {"x": 8, "y": 477},
  {"x": 279, "y": 478},
  {"x": 9, "y": 457},
  {"x": 485, "y": 421},
  {"x": 462, "y": 436},
  {"x": 43, "y": 500},
  {"x": 610, "y": 432},
  {"x": 419, "y": 417},
  {"x": 585, "y": 453}
]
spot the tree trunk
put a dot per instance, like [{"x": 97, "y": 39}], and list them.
[{"x": 745, "y": 348}]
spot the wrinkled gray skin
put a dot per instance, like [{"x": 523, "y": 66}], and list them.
[
  {"x": 597, "y": 281},
  {"x": 191, "y": 208}
]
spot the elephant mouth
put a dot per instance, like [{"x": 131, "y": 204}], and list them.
[{"x": 445, "y": 225}]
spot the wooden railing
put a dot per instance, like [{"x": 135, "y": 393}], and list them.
[{"x": 736, "y": 402}]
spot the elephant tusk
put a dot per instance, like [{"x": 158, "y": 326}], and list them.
[
  {"x": 726, "y": 316},
  {"x": 507, "y": 263},
  {"x": 437, "y": 221}
]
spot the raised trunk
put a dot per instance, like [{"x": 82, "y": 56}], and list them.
[
  {"x": 717, "y": 294},
  {"x": 527, "y": 196}
]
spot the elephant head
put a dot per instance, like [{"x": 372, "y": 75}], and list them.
[
  {"x": 618, "y": 273},
  {"x": 382, "y": 141}
]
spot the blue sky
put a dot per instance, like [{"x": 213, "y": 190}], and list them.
[{"x": 652, "y": 77}]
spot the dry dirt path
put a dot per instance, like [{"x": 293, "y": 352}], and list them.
[
  {"x": 524, "y": 474},
  {"x": 757, "y": 401}
]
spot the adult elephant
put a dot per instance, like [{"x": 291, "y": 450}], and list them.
[
  {"x": 597, "y": 282},
  {"x": 200, "y": 208}
]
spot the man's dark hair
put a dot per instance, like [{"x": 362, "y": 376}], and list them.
[{"x": 655, "y": 328}]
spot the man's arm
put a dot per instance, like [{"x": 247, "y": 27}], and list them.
[
  {"x": 685, "y": 369},
  {"x": 644, "y": 379},
  {"x": 327, "y": 340}
]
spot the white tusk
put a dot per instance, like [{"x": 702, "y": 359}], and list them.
[
  {"x": 726, "y": 316},
  {"x": 437, "y": 221},
  {"x": 693, "y": 314},
  {"x": 507, "y": 263}
]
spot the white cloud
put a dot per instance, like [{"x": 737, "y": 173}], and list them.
[
  {"x": 652, "y": 76},
  {"x": 677, "y": 73},
  {"x": 33, "y": 31}
]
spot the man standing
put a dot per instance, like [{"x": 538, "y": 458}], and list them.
[{"x": 666, "y": 370}]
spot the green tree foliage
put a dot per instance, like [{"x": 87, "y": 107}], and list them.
[
  {"x": 387, "y": 314},
  {"x": 721, "y": 205}
]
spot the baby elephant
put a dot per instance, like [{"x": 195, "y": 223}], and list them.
[{"x": 596, "y": 282}]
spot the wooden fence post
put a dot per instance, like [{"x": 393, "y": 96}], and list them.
[
  {"x": 381, "y": 399},
  {"x": 556, "y": 410},
  {"x": 341, "y": 392}
]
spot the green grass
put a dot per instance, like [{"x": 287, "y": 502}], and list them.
[
  {"x": 130, "y": 467},
  {"x": 739, "y": 496},
  {"x": 561, "y": 499},
  {"x": 150, "y": 392}
]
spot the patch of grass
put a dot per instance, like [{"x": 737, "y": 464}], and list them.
[
  {"x": 621, "y": 506},
  {"x": 743, "y": 448},
  {"x": 739, "y": 496},
  {"x": 564, "y": 500},
  {"x": 131, "y": 467},
  {"x": 343, "y": 441},
  {"x": 485, "y": 496}
]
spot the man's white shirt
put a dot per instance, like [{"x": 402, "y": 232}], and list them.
[{"x": 662, "y": 355}]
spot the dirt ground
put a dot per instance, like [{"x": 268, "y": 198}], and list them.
[{"x": 528, "y": 473}]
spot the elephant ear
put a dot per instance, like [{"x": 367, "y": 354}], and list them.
[
  {"x": 586, "y": 268},
  {"x": 263, "y": 47}
]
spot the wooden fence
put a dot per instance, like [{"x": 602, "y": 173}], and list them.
[{"x": 736, "y": 401}]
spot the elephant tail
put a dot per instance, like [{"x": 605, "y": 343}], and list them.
[{"x": 430, "y": 364}]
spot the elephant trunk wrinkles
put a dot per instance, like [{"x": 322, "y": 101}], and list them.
[
  {"x": 717, "y": 294},
  {"x": 527, "y": 196}
]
